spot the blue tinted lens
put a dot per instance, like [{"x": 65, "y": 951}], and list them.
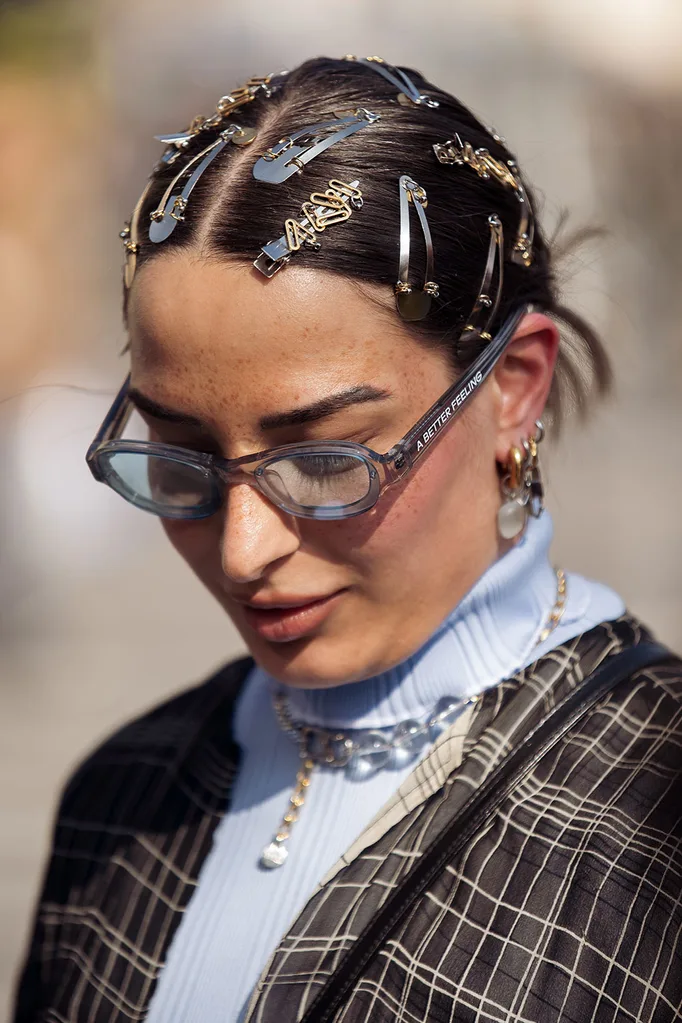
[{"x": 166, "y": 486}]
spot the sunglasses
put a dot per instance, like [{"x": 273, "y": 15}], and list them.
[{"x": 315, "y": 480}]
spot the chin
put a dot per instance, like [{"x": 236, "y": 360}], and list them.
[{"x": 315, "y": 662}]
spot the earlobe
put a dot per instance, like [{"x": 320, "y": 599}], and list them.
[{"x": 523, "y": 379}]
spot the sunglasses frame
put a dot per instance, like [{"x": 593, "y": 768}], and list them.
[{"x": 384, "y": 469}]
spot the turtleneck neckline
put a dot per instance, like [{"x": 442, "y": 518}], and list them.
[{"x": 488, "y": 636}]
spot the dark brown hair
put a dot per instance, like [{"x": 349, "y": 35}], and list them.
[{"x": 231, "y": 215}]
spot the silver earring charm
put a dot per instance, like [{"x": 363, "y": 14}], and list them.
[{"x": 521, "y": 487}]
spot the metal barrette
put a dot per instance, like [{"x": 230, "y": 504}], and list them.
[
  {"x": 332, "y": 206},
  {"x": 291, "y": 154},
  {"x": 129, "y": 236},
  {"x": 413, "y": 305},
  {"x": 264, "y": 85},
  {"x": 408, "y": 93},
  {"x": 172, "y": 206},
  {"x": 507, "y": 174},
  {"x": 487, "y": 302}
]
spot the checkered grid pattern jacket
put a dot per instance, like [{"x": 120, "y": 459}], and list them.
[{"x": 566, "y": 905}]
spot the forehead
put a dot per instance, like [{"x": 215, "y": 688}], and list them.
[{"x": 189, "y": 315}]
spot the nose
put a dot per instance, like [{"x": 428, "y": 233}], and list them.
[{"x": 255, "y": 534}]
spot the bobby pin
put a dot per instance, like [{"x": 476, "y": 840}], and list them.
[
  {"x": 413, "y": 305},
  {"x": 322, "y": 209},
  {"x": 408, "y": 93},
  {"x": 287, "y": 157}
]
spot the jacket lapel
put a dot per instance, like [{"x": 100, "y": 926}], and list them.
[{"x": 428, "y": 777}]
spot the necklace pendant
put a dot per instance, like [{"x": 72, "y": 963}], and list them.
[{"x": 274, "y": 855}]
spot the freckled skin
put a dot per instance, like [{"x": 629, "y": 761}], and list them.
[{"x": 218, "y": 341}]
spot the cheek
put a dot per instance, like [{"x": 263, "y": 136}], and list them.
[{"x": 412, "y": 519}]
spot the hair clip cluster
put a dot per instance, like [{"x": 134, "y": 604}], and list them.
[
  {"x": 291, "y": 154},
  {"x": 507, "y": 174},
  {"x": 332, "y": 206},
  {"x": 253, "y": 87},
  {"x": 408, "y": 93},
  {"x": 176, "y": 144},
  {"x": 413, "y": 304}
]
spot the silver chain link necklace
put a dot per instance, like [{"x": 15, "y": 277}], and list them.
[{"x": 361, "y": 753}]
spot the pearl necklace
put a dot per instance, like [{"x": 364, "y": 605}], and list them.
[{"x": 361, "y": 753}]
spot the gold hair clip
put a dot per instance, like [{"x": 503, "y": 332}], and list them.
[
  {"x": 507, "y": 174},
  {"x": 177, "y": 141},
  {"x": 332, "y": 206},
  {"x": 413, "y": 305}
]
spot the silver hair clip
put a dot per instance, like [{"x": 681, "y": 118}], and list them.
[
  {"x": 253, "y": 87},
  {"x": 178, "y": 142},
  {"x": 129, "y": 236},
  {"x": 408, "y": 93},
  {"x": 322, "y": 209},
  {"x": 486, "y": 305},
  {"x": 413, "y": 305},
  {"x": 291, "y": 154},
  {"x": 171, "y": 208},
  {"x": 507, "y": 174}
]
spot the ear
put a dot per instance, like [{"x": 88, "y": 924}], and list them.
[{"x": 522, "y": 378}]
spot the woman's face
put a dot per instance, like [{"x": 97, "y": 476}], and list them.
[{"x": 317, "y": 603}]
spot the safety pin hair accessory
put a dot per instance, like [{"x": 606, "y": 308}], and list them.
[
  {"x": 291, "y": 154},
  {"x": 171, "y": 208},
  {"x": 413, "y": 305},
  {"x": 507, "y": 174},
  {"x": 408, "y": 93},
  {"x": 332, "y": 206}
]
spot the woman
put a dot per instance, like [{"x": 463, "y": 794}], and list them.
[{"x": 446, "y": 785}]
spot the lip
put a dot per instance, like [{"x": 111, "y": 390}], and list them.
[{"x": 285, "y": 621}]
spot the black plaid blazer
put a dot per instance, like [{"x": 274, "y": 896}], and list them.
[{"x": 566, "y": 904}]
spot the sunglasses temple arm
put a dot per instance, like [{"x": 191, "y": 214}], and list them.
[
  {"x": 116, "y": 418},
  {"x": 414, "y": 443}
]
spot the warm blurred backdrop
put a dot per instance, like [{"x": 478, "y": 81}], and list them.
[{"x": 98, "y": 618}]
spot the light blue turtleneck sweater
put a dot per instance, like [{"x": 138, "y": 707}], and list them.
[{"x": 240, "y": 911}]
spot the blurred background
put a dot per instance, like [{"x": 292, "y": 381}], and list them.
[{"x": 98, "y": 618}]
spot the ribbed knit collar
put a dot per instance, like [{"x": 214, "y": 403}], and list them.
[{"x": 486, "y": 638}]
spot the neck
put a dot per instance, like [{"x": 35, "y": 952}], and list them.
[{"x": 486, "y": 638}]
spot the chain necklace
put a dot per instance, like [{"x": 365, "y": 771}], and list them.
[{"x": 361, "y": 753}]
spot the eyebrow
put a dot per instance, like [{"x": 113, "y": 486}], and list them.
[{"x": 276, "y": 421}]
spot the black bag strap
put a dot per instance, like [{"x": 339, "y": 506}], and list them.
[{"x": 452, "y": 840}]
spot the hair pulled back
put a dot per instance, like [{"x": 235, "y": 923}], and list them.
[{"x": 231, "y": 215}]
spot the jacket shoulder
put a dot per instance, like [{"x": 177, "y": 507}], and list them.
[
  {"x": 167, "y": 773},
  {"x": 660, "y": 681},
  {"x": 650, "y": 699}
]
